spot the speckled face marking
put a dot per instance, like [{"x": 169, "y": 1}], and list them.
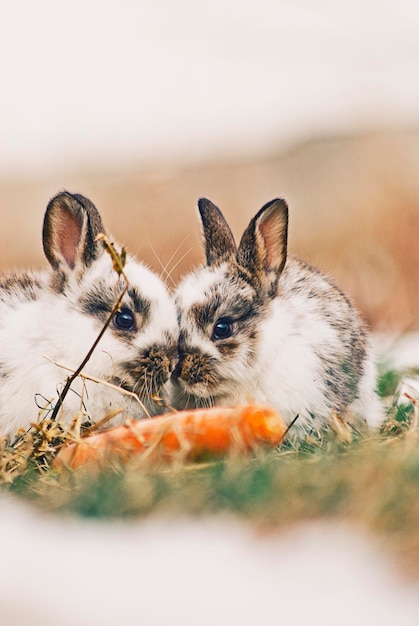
[
  {"x": 147, "y": 373},
  {"x": 145, "y": 326},
  {"x": 134, "y": 313},
  {"x": 217, "y": 330},
  {"x": 22, "y": 287},
  {"x": 221, "y": 306}
]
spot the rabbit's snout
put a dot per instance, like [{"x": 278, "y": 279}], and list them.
[
  {"x": 193, "y": 368},
  {"x": 158, "y": 362},
  {"x": 151, "y": 369}
]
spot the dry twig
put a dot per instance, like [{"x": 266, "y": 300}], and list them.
[{"x": 118, "y": 260}]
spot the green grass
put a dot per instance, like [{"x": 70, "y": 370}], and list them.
[{"x": 372, "y": 481}]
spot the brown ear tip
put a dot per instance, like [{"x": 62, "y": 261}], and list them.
[
  {"x": 204, "y": 204},
  {"x": 63, "y": 199},
  {"x": 58, "y": 196},
  {"x": 276, "y": 209},
  {"x": 208, "y": 211},
  {"x": 279, "y": 202},
  {"x": 64, "y": 193}
]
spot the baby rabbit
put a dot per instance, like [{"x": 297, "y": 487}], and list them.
[
  {"x": 258, "y": 326},
  {"x": 59, "y": 313}
]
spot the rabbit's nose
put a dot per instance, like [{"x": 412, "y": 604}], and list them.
[
  {"x": 177, "y": 370},
  {"x": 186, "y": 367}
]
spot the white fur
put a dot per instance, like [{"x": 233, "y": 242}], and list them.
[
  {"x": 54, "y": 327},
  {"x": 368, "y": 405},
  {"x": 196, "y": 286},
  {"x": 287, "y": 372},
  {"x": 289, "y": 338}
]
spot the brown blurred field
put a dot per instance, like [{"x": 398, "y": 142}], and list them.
[{"x": 354, "y": 210}]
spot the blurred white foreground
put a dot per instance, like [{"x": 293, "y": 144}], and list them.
[{"x": 58, "y": 571}]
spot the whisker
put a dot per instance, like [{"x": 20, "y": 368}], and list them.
[
  {"x": 166, "y": 273},
  {"x": 177, "y": 250},
  {"x": 172, "y": 269}
]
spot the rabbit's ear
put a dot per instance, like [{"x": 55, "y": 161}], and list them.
[
  {"x": 71, "y": 225},
  {"x": 263, "y": 247},
  {"x": 218, "y": 238}
]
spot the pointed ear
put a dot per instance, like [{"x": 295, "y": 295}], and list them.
[
  {"x": 263, "y": 247},
  {"x": 71, "y": 224},
  {"x": 218, "y": 238}
]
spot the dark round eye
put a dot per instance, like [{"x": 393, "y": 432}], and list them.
[
  {"x": 222, "y": 329},
  {"x": 124, "y": 319}
]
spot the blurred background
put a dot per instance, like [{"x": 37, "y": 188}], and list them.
[{"x": 144, "y": 106}]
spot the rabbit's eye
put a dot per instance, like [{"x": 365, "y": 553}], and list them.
[
  {"x": 124, "y": 319},
  {"x": 222, "y": 329}
]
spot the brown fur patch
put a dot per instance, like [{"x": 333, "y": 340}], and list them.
[
  {"x": 22, "y": 285},
  {"x": 228, "y": 347},
  {"x": 218, "y": 239},
  {"x": 99, "y": 302},
  {"x": 197, "y": 368},
  {"x": 147, "y": 373}
]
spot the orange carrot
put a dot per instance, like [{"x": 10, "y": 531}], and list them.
[{"x": 188, "y": 435}]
